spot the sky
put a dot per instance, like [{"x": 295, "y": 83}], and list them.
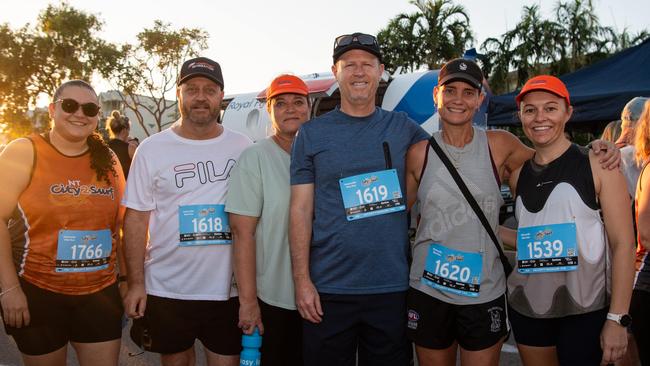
[{"x": 256, "y": 40}]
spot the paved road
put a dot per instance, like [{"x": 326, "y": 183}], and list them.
[{"x": 9, "y": 355}]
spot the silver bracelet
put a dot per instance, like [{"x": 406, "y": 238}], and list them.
[{"x": 8, "y": 290}]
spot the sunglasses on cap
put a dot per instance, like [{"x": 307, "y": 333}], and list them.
[
  {"x": 364, "y": 39},
  {"x": 71, "y": 106}
]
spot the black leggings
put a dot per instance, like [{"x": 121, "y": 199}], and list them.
[{"x": 640, "y": 312}]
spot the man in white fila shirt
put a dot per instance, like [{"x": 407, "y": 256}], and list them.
[{"x": 180, "y": 275}]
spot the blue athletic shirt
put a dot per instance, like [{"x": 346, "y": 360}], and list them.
[{"x": 364, "y": 256}]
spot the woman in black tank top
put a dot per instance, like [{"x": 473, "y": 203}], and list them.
[
  {"x": 118, "y": 127},
  {"x": 562, "y": 192}
]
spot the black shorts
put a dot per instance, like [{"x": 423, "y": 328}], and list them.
[
  {"x": 56, "y": 319},
  {"x": 282, "y": 339},
  {"x": 641, "y": 323},
  {"x": 436, "y": 324},
  {"x": 576, "y": 337},
  {"x": 172, "y": 326}
]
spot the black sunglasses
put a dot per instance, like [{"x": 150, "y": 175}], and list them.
[
  {"x": 364, "y": 39},
  {"x": 71, "y": 106}
]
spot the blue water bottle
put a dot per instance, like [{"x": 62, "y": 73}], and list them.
[{"x": 250, "y": 355}]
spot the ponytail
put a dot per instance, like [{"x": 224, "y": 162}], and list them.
[{"x": 101, "y": 157}]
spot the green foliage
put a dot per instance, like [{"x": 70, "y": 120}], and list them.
[
  {"x": 15, "y": 72},
  {"x": 573, "y": 39},
  {"x": 148, "y": 70},
  {"x": 438, "y": 31},
  {"x": 67, "y": 46},
  {"x": 63, "y": 45}
]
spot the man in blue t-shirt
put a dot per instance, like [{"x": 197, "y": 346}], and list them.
[{"x": 348, "y": 231}]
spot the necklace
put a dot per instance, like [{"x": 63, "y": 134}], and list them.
[{"x": 455, "y": 158}]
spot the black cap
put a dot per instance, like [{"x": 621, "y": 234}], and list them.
[
  {"x": 356, "y": 41},
  {"x": 461, "y": 70},
  {"x": 201, "y": 66}
]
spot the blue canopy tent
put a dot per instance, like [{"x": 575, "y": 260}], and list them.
[{"x": 598, "y": 92}]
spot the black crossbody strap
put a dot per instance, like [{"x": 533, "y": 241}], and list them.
[{"x": 507, "y": 268}]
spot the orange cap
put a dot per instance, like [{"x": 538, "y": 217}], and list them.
[
  {"x": 547, "y": 83},
  {"x": 284, "y": 84}
]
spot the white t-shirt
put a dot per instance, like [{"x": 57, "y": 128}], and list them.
[{"x": 184, "y": 180}]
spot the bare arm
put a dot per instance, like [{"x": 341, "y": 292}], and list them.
[
  {"x": 16, "y": 162},
  {"x": 508, "y": 237},
  {"x": 643, "y": 210},
  {"x": 615, "y": 206},
  {"x": 131, "y": 148},
  {"x": 414, "y": 161},
  {"x": 301, "y": 213},
  {"x": 508, "y": 151},
  {"x": 119, "y": 231},
  {"x": 244, "y": 247},
  {"x": 136, "y": 225}
]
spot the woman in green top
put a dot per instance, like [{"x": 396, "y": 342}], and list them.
[{"x": 258, "y": 203}]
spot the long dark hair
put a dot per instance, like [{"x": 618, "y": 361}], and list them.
[{"x": 101, "y": 156}]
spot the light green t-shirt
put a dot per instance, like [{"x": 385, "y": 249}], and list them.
[{"x": 259, "y": 187}]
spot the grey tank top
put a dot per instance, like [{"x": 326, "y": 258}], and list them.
[{"x": 447, "y": 219}]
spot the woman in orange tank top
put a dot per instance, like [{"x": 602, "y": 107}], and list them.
[{"x": 59, "y": 236}]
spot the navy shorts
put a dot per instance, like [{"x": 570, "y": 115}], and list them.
[
  {"x": 172, "y": 326},
  {"x": 435, "y": 324},
  {"x": 576, "y": 337},
  {"x": 373, "y": 325},
  {"x": 56, "y": 319}
]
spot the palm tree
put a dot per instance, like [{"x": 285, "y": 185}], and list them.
[
  {"x": 527, "y": 48},
  {"x": 572, "y": 40},
  {"x": 399, "y": 43},
  {"x": 498, "y": 58},
  {"x": 437, "y": 32},
  {"x": 625, "y": 39},
  {"x": 445, "y": 31},
  {"x": 582, "y": 32}
]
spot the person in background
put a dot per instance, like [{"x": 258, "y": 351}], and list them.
[
  {"x": 60, "y": 217},
  {"x": 631, "y": 170},
  {"x": 119, "y": 127},
  {"x": 611, "y": 132},
  {"x": 561, "y": 308},
  {"x": 629, "y": 117},
  {"x": 258, "y": 204},
  {"x": 639, "y": 308}
]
